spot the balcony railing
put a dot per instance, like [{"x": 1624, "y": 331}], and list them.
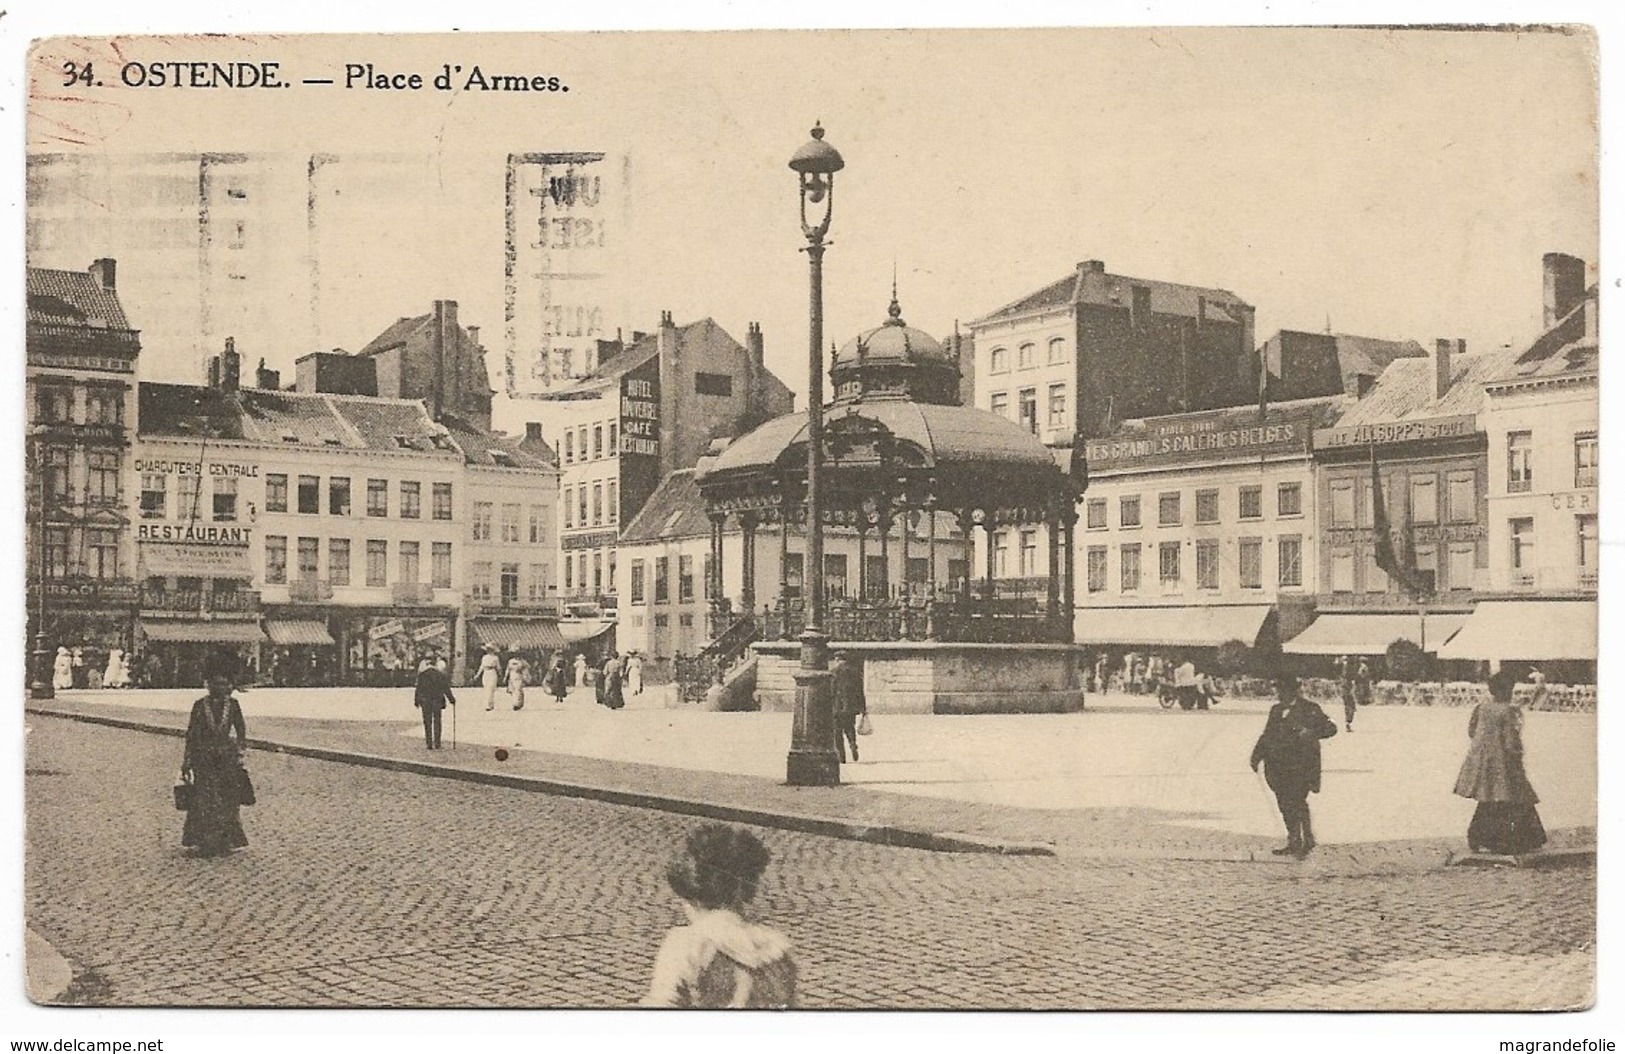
[
  {"x": 200, "y": 602},
  {"x": 516, "y": 606},
  {"x": 1519, "y": 486},
  {"x": 1585, "y": 477},
  {"x": 996, "y": 620}
]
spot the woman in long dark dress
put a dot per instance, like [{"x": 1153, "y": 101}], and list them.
[
  {"x": 1493, "y": 775},
  {"x": 213, "y": 765}
]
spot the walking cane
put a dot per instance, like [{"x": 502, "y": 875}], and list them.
[{"x": 454, "y": 727}]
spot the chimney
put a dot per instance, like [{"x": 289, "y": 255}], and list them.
[
  {"x": 105, "y": 272},
  {"x": 533, "y": 432},
  {"x": 668, "y": 335},
  {"x": 1443, "y": 351},
  {"x": 1565, "y": 285},
  {"x": 474, "y": 335},
  {"x": 437, "y": 353},
  {"x": 1092, "y": 266},
  {"x": 1363, "y": 383},
  {"x": 231, "y": 366},
  {"x": 753, "y": 344},
  {"x": 270, "y": 380},
  {"x": 214, "y": 371}
]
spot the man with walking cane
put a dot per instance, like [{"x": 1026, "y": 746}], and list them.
[
  {"x": 1289, "y": 750},
  {"x": 431, "y": 695}
]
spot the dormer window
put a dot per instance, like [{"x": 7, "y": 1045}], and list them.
[{"x": 502, "y": 457}]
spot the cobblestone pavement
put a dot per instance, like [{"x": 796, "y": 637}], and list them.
[{"x": 368, "y": 887}]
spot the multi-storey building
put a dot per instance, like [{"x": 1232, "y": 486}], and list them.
[
  {"x": 80, "y": 387},
  {"x": 1540, "y": 419},
  {"x": 429, "y": 357},
  {"x": 1419, "y": 429},
  {"x": 1199, "y": 529},
  {"x": 647, "y": 409}
]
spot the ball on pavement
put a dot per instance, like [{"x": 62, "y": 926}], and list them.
[{"x": 502, "y": 754}]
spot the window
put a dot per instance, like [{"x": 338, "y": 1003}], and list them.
[
  {"x": 440, "y": 497},
  {"x": 1460, "y": 566},
  {"x": 1095, "y": 564},
  {"x": 59, "y": 477},
  {"x": 483, "y": 511},
  {"x": 569, "y": 575},
  {"x": 1289, "y": 499},
  {"x": 1168, "y": 563},
  {"x": 411, "y": 500},
  {"x": 1029, "y": 554},
  {"x": 1128, "y": 511},
  {"x": 613, "y": 448},
  {"x": 662, "y": 576},
  {"x": 154, "y": 496},
  {"x": 1462, "y": 497},
  {"x": 276, "y": 559},
  {"x": 1425, "y": 498},
  {"x": 1343, "y": 503},
  {"x": 1342, "y": 571},
  {"x": 309, "y": 559},
  {"x": 104, "y": 406},
  {"x": 998, "y": 361},
  {"x": 538, "y": 581},
  {"x": 1095, "y": 514},
  {"x": 338, "y": 496},
  {"x": 409, "y": 564},
  {"x": 794, "y": 575},
  {"x": 1585, "y": 460},
  {"x": 54, "y": 403},
  {"x": 377, "y": 562},
  {"x": 102, "y": 479},
  {"x": 1364, "y": 508},
  {"x": 1026, "y": 356},
  {"x": 581, "y": 443},
  {"x": 310, "y": 495},
  {"x": 440, "y": 565},
  {"x": 276, "y": 492},
  {"x": 481, "y": 584},
  {"x": 709, "y": 570},
  {"x": 1586, "y": 528},
  {"x": 187, "y": 490},
  {"x": 581, "y": 505},
  {"x": 1207, "y": 563},
  {"x": 56, "y": 552},
  {"x": 1250, "y": 562},
  {"x": 713, "y": 384},
  {"x": 1057, "y": 350},
  {"x": 1523, "y": 544},
  {"x": 1250, "y": 505},
  {"x": 509, "y": 585},
  {"x": 1427, "y": 566},
  {"x": 597, "y": 504},
  {"x": 637, "y": 581},
  {"x": 1207, "y": 506},
  {"x": 581, "y": 569},
  {"x": 1001, "y": 554},
  {"x": 1057, "y": 406},
  {"x": 510, "y": 522},
  {"x": 612, "y": 502},
  {"x": 338, "y": 561},
  {"x": 1289, "y": 551},
  {"x": 1129, "y": 567},
  {"x": 377, "y": 497},
  {"x": 101, "y": 553},
  {"x": 569, "y": 507},
  {"x": 569, "y": 448},
  {"x": 1520, "y": 462},
  {"x": 999, "y": 403},
  {"x": 597, "y": 442},
  {"x": 1029, "y": 409},
  {"x": 1376, "y": 579},
  {"x": 1168, "y": 509},
  {"x": 835, "y": 574},
  {"x": 538, "y": 525},
  {"x": 917, "y": 575}
]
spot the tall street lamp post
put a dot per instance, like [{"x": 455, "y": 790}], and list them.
[
  {"x": 812, "y": 761},
  {"x": 42, "y": 686}
]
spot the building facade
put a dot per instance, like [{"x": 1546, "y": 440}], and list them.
[
  {"x": 1199, "y": 529},
  {"x": 81, "y": 405},
  {"x": 648, "y": 408}
]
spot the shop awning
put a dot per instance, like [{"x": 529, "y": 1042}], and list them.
[
  {"x": 183, "y": 560},
  {"x": 298, "y": 631},
  {"x": 1530, "y": 630},
  {"x": 221, "y": 632},
  {"x": 517, "y": 634},
  {"x": 1188, "y": 626},
  {"x": 1371, "y": 634},
  {"x": 579, "y": 631}
]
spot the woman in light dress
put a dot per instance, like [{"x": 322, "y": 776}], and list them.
[
  {"x": 62, "y": 669},
  {"x": 517, "y": 669},
  {"x": 490, "y": 677}
]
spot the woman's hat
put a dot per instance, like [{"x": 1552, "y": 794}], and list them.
[{"x": 220, "y": 664}]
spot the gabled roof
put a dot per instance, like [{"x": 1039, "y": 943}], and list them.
[
  {"x": 293, "y": 418},
  {"x": 72, "y": 298},
  {"x": 495, "y": 449},
  {"x": 1405, "y": 390},
  {"x": 1567, "y": 349},
  {"x": 674, "y": 510},
  {"x": 396, "y": 334},
  {"x": 634, "y": 355},
  {"x": 1086, "y": 286}
]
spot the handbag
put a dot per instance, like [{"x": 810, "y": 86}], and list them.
[
  {"x": 864, "y": 727},
  {"x": 245, "y": 788},
  {"x": 183, "y": 796}
]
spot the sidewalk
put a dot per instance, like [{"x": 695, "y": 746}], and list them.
[{"x": 1124, "y": 779}]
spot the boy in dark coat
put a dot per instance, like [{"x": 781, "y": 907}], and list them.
[{"x": 1289, "y": 750}]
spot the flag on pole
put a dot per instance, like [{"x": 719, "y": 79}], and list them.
[
  {"x": 1400, "y": 565},
  {"x": 1263, "y": 387}
]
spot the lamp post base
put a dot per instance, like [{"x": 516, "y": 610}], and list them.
[
  {"x": 41, "y": 687},
  {"x": 812, "y": 761}
]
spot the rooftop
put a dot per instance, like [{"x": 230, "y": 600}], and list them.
[
  {"x": 72, "y": 298},
  {"x": 1405, "y": 390},
  {"x": 1091, "y": 284},
  {"x": 674, "y": 510}
]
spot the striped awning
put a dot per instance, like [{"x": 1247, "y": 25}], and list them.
[
  {"x": 1527, "y": 630},
  {"x": 298, "y": 631},
  {"x": 216, "y": 632},
  {"x": 517, "y": 634},
  {"x": 1202, "y": 626},
  {"x": 1370, "y": 634}
]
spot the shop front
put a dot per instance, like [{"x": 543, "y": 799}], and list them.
[
  {"x": 1557, "y": 636},
  {"x": 170, "y": 653},
  {"x": 89, "y": 617},
  {"x": 301, "y": 652},
  {"x": 535, "y": 640},
  {"x": 382, "y": 648}
]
